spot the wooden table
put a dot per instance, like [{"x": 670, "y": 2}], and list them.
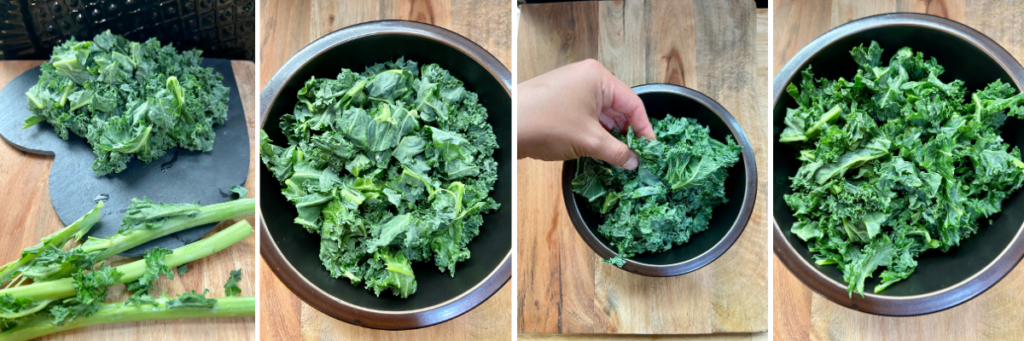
[
  {"x": 801, "y": 314},
  {"x": 286, "y": 27},
  {"x": 27, "y": 216},
  {"x": 563, "y": 287}
]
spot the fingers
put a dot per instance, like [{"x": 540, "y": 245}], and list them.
[
  {"x": 611, "y": 150},
  {"x": 620, "y": 100}
]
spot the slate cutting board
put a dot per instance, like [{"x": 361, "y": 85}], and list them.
[{"x": 179, "y": 176}]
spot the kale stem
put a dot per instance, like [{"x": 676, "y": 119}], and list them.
[
  {"x": 62, "y": 288},
  {"x": 76, "y": 229},
  {"x": 120, "y": 313},
  {"x": 129, "y": 239}
]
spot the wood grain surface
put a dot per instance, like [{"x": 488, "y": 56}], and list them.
[
  {"x": 801, "y": 314},
  {"x": 286, "y": 27},
  {"x": 26, "y": 215},
  {"x": 563, "y": 287}
]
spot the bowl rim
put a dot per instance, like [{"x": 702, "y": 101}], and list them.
[
  {"x": 872, "y": 303},
  {"x": 295, "y": 281},
  {"x": 735, "y": 230}
]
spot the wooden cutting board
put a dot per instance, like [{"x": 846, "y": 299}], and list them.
[
  {"x": 563, "y": 287},
  {"x": 801, "y": 314},
  {"x": 26, "y": 215},
  {"x": 288, "y": 26}
]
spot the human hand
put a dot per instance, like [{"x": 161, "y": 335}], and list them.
[{"x": 567, "y": 113}]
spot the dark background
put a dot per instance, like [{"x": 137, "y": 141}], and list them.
[{"x": 221, "y": 28}]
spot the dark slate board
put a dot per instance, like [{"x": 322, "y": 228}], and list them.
[{"x": 179, "y": 176}]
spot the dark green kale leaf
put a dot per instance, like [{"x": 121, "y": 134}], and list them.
[
  {"x": 390, "y": 166},
  {"x": 182, "y": 269},
  {"x": 91, "y": 288},
  {"x": 231, "y": 286},
  {"x": 896, "y": 162},
  {"x": 128, "y": 99},
  {"x": 669, "y": 197},
  {"x": 238, "y": 192},
  {"x": 155, "y": 266}
]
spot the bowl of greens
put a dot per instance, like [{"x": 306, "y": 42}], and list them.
[
  {"x": 386, "y": 178},
  {"x": 687, "y": 202},
  {"x": 896, "y": 178}
]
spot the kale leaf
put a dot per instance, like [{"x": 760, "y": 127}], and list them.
[
  {"x": 896, "y": 162},
  {"x": 155, "y": 266},
  {"x": 128, "y": 99},
  {"x": 669, "y": 197},
  {"x": 231, "y": 286},
  {"x": 390, "y": 166}
]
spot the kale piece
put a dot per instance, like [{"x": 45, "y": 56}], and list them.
[
  {"x": 669, "y": 197},
  {"x": 389, "y": 166},
  {"x": 896, "y": 162},
  {"x": 128, "y": 99}
]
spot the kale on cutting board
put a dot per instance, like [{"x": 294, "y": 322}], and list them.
[
  {"x": 896, "y": 162},
  {"x": 128, "y": 99},
  {"x": 670, "y": 196},
  {"x": 390, "y": 166}
]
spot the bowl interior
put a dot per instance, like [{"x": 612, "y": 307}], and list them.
[
  {"x": 962, "y": 60},
  {"x": 301, "y": 249},
  {"x": 659, "y": 105}
]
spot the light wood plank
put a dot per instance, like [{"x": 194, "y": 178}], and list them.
[
  {"x": 673, "y": 57},
  {"x": 581, "y": 337},
  {"x": 486, "y": 22},
  {"x": 621, "y": 39},
  {"x": 434, "y": 12}
]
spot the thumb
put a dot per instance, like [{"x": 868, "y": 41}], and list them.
[{"x": 613, "y": 151}]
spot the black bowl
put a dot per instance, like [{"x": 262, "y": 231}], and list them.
[
  {"x": 728, "y": 220},
  {"x": 941, "y": 280},
  {"x": 293, "y": 253}
]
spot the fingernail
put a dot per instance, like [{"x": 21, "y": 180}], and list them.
[{"x": 631, "y": 164}]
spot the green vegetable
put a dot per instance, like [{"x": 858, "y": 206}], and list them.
[
  {"x": 391, "y": 166},
  {"x": 238, "y": 192},
  {"x": 182, "y": 270},
  {"x": 143, "y": 221},
  {"x": 155, "y": 266},
  {"x": 896, "y": 162},
  {"x": 128, "y": 99},
  {"x": 76, "y": 301},
  {"x": 51, "y": 245},
  {"x": 231, "y": 286},
  {"x": 107, "y": 313},
  {"x": 669, "y": 197}
]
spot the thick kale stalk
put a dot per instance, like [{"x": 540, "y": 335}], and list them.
[
  {"x": 391, "y": 166},
  {"x": 896, "y": 162},
  {"x": 669, "y": 197},
  {"x": 121, "y": 313},
  {"x": 144, "y": 221},
  {"x": 128, "y": 99},
  {"x": 50, "y": 244},
  {"x": 66, "y": 287}
]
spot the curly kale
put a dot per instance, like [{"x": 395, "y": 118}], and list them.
[
  {"x": 896, "y": 162},
  {"x": 128, "y": 99},
  {"x": 390, "y": 166},
  {"x": 669, "y": 197}
]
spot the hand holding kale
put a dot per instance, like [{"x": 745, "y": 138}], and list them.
[
  {"x": 128, "y": 99},
  {"x": 680, "y": 180},
  {"x": 391, "y": 166},
  {"x": 896, "y": 162}
]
